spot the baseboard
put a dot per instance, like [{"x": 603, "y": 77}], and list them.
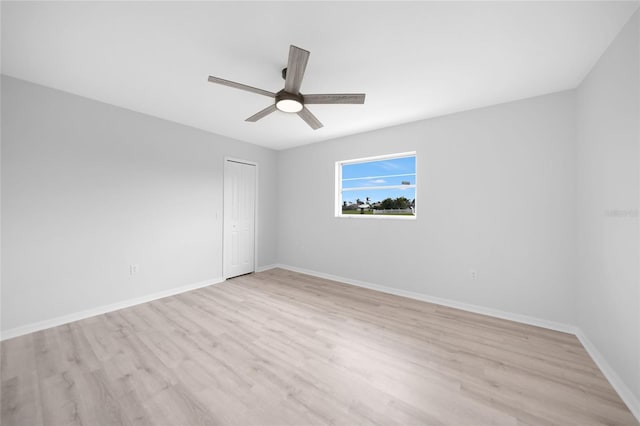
[
  {"x": 267, "y": 267},
  {"x": 65, "y": 319},
  {"x": 618, "y": 385},
  {"x": 524, "y": 319},
  {"x": 633, "y": 403}
]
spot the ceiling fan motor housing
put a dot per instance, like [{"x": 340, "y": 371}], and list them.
[{"x": 289, "y": 102}]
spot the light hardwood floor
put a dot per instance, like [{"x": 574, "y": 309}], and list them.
[{"x": 281, "y": 348}]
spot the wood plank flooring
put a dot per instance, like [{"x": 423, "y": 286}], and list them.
[{"x": 281, "y": 348}]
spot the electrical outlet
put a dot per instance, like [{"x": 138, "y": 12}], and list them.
[
  {"x": 473, "y": 274},
  {"x": 134, "y": 268}
]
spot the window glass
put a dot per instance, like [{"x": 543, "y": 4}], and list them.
[{"x": 380, "y": 186}]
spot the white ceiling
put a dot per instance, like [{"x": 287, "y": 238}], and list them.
[{"x": 414, "y": 60}]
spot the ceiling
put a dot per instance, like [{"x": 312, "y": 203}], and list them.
[{"x": 414, "y": 60}]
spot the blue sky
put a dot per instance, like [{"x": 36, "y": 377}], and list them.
[{"x": 373, "y": 179}]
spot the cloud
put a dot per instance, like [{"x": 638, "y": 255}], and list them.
[
  {"x": 389, "y": 165},
  {"x": 378, "y": 181}
]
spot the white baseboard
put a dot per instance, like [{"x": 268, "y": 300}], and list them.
[
  {"x": 618, "y": 385},
  {"x": 267, "y": 267},
  {"x": 524, "y": 319},
  {"x": 633, "y": 403},
  {"x": 54, "y": 322}
]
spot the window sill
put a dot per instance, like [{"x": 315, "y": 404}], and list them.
[{"x": 375, "y": 217}]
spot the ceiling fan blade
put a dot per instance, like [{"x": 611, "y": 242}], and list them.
[
  {"x": 309, "y": 118},
  {"x": 241, "y": 86},
  {"x": 341, "y": 98},
  {"x": 296, "y": 65},
  {"x": 257, "y": 116}
]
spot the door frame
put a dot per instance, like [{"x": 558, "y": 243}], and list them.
[{"x": 255, "y": 212}]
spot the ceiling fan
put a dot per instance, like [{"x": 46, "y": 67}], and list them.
[{"x": 290, "y": 99}]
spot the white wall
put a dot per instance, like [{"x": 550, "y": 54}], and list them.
[
  {"x": 495, "y": 194},
  {"x": 89, "y": 188},
  {"x": 608, "y": 200}
]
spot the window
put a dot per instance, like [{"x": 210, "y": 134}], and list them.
[{"x": 383, "y": 186}]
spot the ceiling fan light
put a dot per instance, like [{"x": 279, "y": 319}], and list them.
[{"x": 289, "y": 105}]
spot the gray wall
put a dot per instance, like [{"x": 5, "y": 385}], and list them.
[
  {"x": 495, "y": 194},
  {"x": 608, "y": 200},
  {"x": 89, "y": 188}
]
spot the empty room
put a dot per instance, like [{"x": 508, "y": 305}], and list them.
[{"x": 320, "y": 213}]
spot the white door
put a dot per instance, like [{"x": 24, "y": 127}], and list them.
[{"x": 239, "y": 218}]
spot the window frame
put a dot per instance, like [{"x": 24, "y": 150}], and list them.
[{"x": 338, "y": 187}]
